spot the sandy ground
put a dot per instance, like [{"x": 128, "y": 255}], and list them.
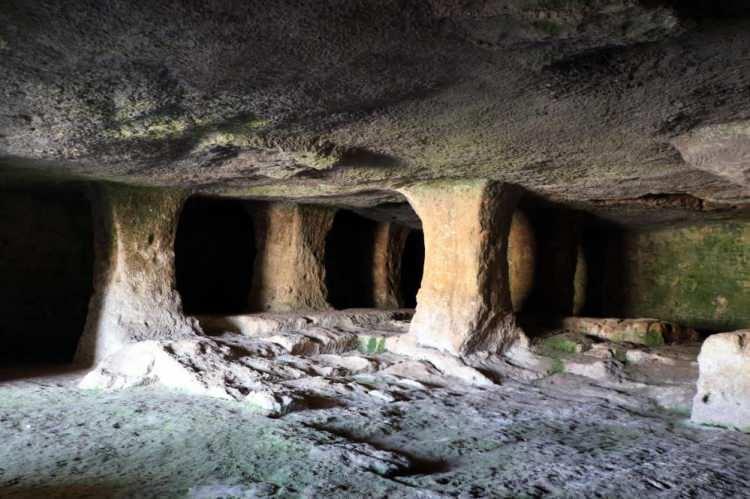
[{"x": 407, "y": 435}]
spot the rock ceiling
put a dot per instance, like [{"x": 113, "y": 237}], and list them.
[{"x": 594, "y": 102}]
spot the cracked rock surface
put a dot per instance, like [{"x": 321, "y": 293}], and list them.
[{"x": 362, "y": 425}]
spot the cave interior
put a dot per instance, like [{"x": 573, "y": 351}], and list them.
[{"x": 375, "y": 249}]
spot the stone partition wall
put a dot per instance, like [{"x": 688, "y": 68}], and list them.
[
  {"x": 696, "y": 275},
  {"x": 134, "y": 277},
  {"x": 464, "y": 303},
  {"x": 390, "y": 240},
  {"x": 289, "y": 273}
]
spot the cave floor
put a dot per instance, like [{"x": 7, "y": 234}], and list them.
[{"x": 559, "y": 436}]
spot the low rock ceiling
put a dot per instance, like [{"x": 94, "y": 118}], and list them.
[{"x": 598, "y": 104}]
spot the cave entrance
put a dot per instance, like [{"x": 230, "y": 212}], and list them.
[
  {"x": 46, "y": 264},
  {"x": 349, "y": 261},
  {"x": 412, "y": 267},
  {"x": 214, "y": 256}
]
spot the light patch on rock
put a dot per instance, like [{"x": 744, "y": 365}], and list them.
[{"x": 723, "y": 396}]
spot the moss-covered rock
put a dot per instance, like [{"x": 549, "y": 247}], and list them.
[{"x": 697, "y": 275}]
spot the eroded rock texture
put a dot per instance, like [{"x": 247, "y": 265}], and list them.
[
  {"x": 134, "y": 285},
  {"x": 723, "y": 396},
  {"x": 390, "y": 240},
  {"x": 576, "y": 100},
  {"x": 464, "y": 303},
  {"x": 289, "y": 273},
  {"x": 521, "y": 259},
  {"x": 696, "y": 275}
]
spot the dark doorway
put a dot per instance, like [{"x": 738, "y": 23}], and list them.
[
  {"x": 214, "y": 256},
  {"x": 349, "y": 261},
  {"x": 412, "y": 267},
  {"x": 46, "y": 264}
]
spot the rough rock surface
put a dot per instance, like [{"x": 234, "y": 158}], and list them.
[
  {"x": 665, "y": 374},
  {"x": 289, "y": 273},
  {"x": 358, "y": 320},
  {"x": 399, "y": 430},
  {"x": 576, "y": 100},
  {"x": 649, "y": 332},
  {"x": 390, "y": 240},
  {"x": 134, "y": 276},
  {"x": 463, "y": 304},
  {"x": 722, "y": 149},
  {"x": 723, "y": 396},
  {"x": 521, "y": 259},
  {"x": 694, "y": 275}
]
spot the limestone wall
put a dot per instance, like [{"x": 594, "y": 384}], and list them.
[{"x": 698, "y": 276}]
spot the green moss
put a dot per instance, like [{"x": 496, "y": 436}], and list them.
[
  {"x": 558, "y": 367},
  {"x": 315, "y": 160},
  {"x": 561, "y": 345},
  {"x": 156, "y": 128},
  {"x": 698, "y": 276},
  {"x": 371, "y": 345},
  {"x": 3, "y": 43},
  {"x": 653, "y": 338}
]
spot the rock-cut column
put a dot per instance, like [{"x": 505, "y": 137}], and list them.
[
  {"x": 390, "y": 240},
  {"x": 289, "y": 273},
  {"x": 134, "y": 297},
  {"x": 464, "y": 303}
]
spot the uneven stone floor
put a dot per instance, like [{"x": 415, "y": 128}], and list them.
[{"x": 413, "y": 434}]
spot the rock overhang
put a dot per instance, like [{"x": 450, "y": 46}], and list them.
[{"x": 575, "y": 101}]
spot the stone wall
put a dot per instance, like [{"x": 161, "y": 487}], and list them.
[
  {"x": 698, "y": 275},
  {"x": 46, "y": 266}
]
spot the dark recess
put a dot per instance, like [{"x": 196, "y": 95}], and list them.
[
  {"x": 46, "y": 274},
  {"x": 214, "y": 256},
  {"x": 555, "y": 231},
  {"x": 601, "y": 247},
  {"x": 349, "y": 261},
  {"x": 412, "y": 267}
]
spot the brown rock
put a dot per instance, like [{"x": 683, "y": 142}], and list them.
[
  {"x": 134, "y": 283},
  {"x": 521, "y": 259},
  {"x": 289, "y": 272},
  {"x": 390, "y": 240},
  {"x": 649, "y": 332},
  {"x": 464, "y": 303}
]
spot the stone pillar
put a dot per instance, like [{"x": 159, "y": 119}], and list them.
[
  {"x": 134, "y": 296},
  {"x": 464, "y": 303},
  {"x": 390, "y": 240},
  {"x": 289, "y": 273},
  {"x": 521, "y": 259}
]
